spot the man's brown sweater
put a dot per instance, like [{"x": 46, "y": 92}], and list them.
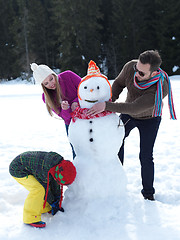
[{"x": 139, "y": 103}]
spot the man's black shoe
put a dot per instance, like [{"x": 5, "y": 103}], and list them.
[{"x": 150, "y": 197}]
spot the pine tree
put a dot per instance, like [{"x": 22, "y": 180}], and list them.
[
  {"x": 131, "y": 30},
  {"x": 9, "y": 67},
  {"x": 67, "y": 34},
  {"x": 19, "y": 29},
  {"x": 78, "y": 33},
  {"x": 43, "y": 42},
  {"x": 168, "y": 26}
]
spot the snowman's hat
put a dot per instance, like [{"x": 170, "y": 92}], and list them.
[{"x": 93, "y": 71}]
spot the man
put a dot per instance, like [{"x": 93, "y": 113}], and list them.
[{"x": 147, "y": 84}]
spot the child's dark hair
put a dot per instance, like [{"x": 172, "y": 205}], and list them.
[{"x": 151, "y": 57}]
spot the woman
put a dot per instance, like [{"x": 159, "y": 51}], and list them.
[{"x": 60, "y": 91}]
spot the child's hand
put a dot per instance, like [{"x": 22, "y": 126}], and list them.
[
  {"x": 65, "y": 105},
  {"x": 55, "y": 208}
]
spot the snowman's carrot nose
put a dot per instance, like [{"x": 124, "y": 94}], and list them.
[{"x": 91, "y": 90}]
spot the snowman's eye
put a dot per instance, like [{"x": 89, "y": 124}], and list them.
[
  {"x": 85, "y": 87},
  {"x": 98, "y": 87}
]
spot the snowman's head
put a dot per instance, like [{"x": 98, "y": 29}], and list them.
[{"x": 94, "y": 87}]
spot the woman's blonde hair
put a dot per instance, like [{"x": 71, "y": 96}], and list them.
[{"x": 53, "y": 98}]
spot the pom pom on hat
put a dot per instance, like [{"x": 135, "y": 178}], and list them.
[
  {"x": 34, "y": 66},
  {"x": 41, "y": 72}
]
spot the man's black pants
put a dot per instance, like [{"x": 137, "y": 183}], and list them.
[{"x": 148, "y": 129}]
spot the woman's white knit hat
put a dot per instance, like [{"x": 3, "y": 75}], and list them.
[{"x": 40, "y": 72}]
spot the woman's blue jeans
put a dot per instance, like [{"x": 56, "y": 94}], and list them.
[{"x": 73, "y": 152}]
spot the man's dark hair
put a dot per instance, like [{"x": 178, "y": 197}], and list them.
[{"x": 151, "y": 57}]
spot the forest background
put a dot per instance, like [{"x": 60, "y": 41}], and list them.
[{"x": 67, "y": 34}]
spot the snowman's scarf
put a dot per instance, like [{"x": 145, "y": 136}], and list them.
[
  {"x": 158, "y": 79},
  {"x": 81, "y": 113}
]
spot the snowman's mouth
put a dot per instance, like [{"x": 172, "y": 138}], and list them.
[{"x": 90, "y": 101}]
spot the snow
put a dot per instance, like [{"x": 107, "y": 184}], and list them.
[
  {"x": 25, "y": 125},
  {"x": 175, "y": 68}
]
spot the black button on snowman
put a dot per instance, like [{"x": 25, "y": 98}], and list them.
[{"x": 91, "y": 139}]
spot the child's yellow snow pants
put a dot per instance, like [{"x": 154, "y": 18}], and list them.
[{"x": 33, "y": 205}]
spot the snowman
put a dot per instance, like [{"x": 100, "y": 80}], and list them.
[{"x": 96, "y": 140}]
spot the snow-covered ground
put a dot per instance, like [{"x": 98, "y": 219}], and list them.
[{"x": 25, "y": 125}]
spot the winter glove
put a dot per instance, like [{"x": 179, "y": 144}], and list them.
[{"x": 55, "y": 207}]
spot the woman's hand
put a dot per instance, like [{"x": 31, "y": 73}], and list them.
[
  {"x": 74, "y": 105},
  {"x": 64, "y": 105}
]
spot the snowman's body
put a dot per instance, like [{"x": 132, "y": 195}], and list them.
[{"x": 96, "y": 142}]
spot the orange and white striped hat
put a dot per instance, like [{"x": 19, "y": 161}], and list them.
[{"x": 93, "y": 71}]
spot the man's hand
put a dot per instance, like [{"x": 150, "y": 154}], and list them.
[{"x": 97, "y": 108}]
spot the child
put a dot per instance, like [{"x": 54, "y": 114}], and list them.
[{"x": 42, "y": 174}]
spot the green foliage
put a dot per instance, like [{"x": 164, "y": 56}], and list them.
[
  {"x": 67, "y": 34},
  {"x": 78, "y": 33},
  {"x": 9, "y": 67},
  {"x": 131, "y": 30},
  {"x": 168, "y": 28},
  {"x": 42, "y": 28}
]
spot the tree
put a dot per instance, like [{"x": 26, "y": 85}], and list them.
[
  {"x": 67, "y": 34},
  {"x": 9, "y": 67},
  {"x": 130, "y": 30},
  {"x": 78, "y": 33},
  {"x": 43, "y": 40},
  {"x": 168, "y": 26},
  {"x": 20, "y": 31}
]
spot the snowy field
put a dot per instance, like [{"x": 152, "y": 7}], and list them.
[{"x": 25, "y": 125}]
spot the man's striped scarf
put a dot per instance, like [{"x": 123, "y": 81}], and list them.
[{"x": 159, "y": 79}]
